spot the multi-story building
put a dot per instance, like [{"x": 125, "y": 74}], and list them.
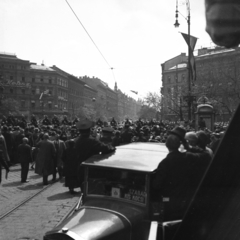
[
  {"x": 174, "y": 83},
  {"x": 89, "y": 108},
  {"x": 111, "y": 103},
  {"x": 218, "y": 79},
  {"x": 43, "y": 98},
  {"x": 28, "y": 88}
]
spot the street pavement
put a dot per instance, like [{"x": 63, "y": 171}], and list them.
[{"x": 37, "y": 216}]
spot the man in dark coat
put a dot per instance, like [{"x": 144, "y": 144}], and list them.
[
  {"x": 87, "y": 146},
  {"x": 46, "y": 121},
  {"x": 55, "y": 121},
  {"x": 33, "y": 120},
  {"x": 25, "y": 158},
  {"x": 177, "y": 176},
  {"x": 65, "y": 121},
  {"x": 9, "y": 141},
  {"x": 4, "y": 158},
  {"x": 45, "y": 158}
]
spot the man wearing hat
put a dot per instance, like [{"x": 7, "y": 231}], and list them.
[
  {"x": 107, "y": 135},
  {"x": 46, "y": 121},
  {"x": 177, "y": 176},
  {"x": 24, "y": 153},
  {"x": 87, "y": 146},
  {"x": 45, "y": 158}
]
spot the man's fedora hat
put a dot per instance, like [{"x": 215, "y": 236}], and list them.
[
  {"x": 178, "y": 131},
  {"x": 108, "y": 129},
  {"x": 84, "y": 124}
]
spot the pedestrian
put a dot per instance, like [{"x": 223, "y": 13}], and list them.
[
  {"x": 58, "y": 163},
  {"x": 25, "y": 158},
  {"x": 177, "y": 176},
  {"x": 4, "y": 158},
  {"x": 87, "y": 146},
  {"x": 45, "y": 158},
  {"x": 70, "y": 167},
  {"x": 107, "y": 135}
]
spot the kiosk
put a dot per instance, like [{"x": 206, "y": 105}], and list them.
[{"x": 204, "y": 113}]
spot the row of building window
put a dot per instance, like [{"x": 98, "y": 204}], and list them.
[
  {"x": 12, "y": 66},
  {"x": 42, "y": 105},
  {"x": 176, "y": 78}
]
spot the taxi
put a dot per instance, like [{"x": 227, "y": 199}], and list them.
[{"x": 116, "y": 200}]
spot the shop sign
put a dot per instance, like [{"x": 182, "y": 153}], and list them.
[{"x": 11, "y": 83}]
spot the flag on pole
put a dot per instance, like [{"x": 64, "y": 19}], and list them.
[
  {"x": 45, "y": 92},
  {"x": 41, "y": 96},
  {"x": 134, "y": 91},
  {"x": 191, "y": 42}
]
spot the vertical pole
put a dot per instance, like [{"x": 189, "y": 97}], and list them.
[{"x": 189, "y": 73}]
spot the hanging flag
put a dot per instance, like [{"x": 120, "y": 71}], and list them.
[
  {"x": 134, "y": 91},
  {"x": 45, "y": 92},
  {"x": 191, "y": 42},
  {"x": 41, "y": 96}
]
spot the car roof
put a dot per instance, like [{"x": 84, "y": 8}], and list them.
[{"x": 134, "y": 156}]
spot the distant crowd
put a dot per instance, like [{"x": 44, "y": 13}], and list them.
[{"x": 63, "y": 133}]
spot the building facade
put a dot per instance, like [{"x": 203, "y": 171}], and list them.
[
  {"x": 218, "y": 80},
  {"x": 28, "y": 88}
]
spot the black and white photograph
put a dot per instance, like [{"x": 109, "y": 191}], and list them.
[{"x": 119, "y": 119}]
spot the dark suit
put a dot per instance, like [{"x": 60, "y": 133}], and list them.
[
  {"x": 24, "y": 157},
  {"x": 177, "y": 177},
  {"x": 87, "y": 146},
  {"x": 45, "y": 159}
]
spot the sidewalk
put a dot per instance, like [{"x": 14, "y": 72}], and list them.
[{"x": 40, "y": 214}]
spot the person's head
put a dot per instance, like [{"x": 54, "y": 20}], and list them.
[
  {"x": 84, "y": 127},
  {"x": 179, "y": 132},
  {"x": 192, "y": 138},
  {"x": 45, "y": 136},
  {"x": 25, "y": 140},
  {"x": 203, "y": 139},
  {"x": 173, "y": 143},
  {"x": 107, "y": 131}
]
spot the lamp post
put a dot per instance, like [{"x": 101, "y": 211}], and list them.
[{"x": 189, "y": 97}]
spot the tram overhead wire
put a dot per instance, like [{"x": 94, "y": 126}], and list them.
[{"x": 89, "y": 36}]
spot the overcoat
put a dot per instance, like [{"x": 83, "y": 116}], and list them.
[
  {"x": 45, "y": 157},
  {"x": 60, "y": 147}
]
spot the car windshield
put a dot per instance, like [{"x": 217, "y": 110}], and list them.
[{"x": 117, "y": 183}]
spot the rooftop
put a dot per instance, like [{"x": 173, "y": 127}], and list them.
[
  {"x": 41, "y": 67},
  {"x": 215, "y": 52}
]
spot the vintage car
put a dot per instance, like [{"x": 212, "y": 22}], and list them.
[{"x": 116, "y": 201}]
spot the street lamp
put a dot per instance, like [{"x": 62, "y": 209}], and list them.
[{"x": 176, "y": 24}]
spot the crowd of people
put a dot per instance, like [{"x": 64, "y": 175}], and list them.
[{"x": 52, "y": 146}]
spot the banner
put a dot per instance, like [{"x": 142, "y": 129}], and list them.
[{"x": 191, "y": 42}]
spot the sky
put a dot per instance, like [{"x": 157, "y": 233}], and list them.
[{"x": 123, "y": 41}]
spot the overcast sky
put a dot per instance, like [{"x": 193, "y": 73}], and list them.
[{"x": 134, "y": 37}]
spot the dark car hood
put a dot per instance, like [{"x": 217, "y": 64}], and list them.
[{"x": 92, "y": 223}]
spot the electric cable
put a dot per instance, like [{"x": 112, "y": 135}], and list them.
[{"x": 89, "y": 35}]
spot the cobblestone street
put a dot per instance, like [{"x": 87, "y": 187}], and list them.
[{"x": 41, "y": 214}]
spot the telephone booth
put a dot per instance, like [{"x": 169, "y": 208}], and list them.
[{"x": 205, "y": 113}]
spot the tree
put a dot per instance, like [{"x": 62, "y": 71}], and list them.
[
  {"x": 152, "y": 104},
  {"x": 147, "y": 112},
  {"x": 9, "y": 105}
]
